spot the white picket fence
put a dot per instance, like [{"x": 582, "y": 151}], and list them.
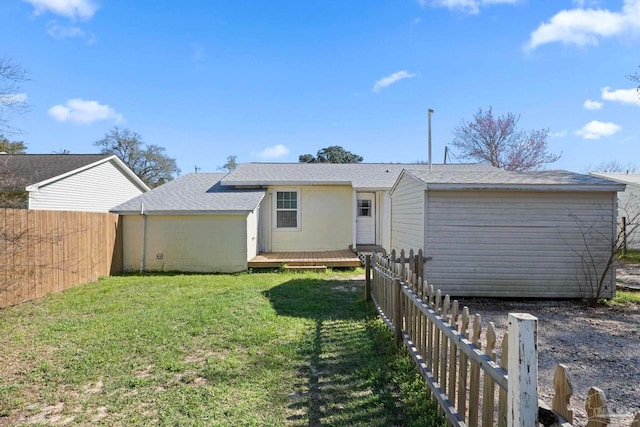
[{"x": 471, "y": 386}]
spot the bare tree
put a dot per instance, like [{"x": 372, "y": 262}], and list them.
[
  {"x": 12, "y": 100},
  {"x": 598, "y": 250},
  {"x": 498, "y": 142},
  {"x": 613, "y": 166},
  {"x": 148, "y": 161}
]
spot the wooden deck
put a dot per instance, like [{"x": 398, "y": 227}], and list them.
[{"x": 342, "y": 258}]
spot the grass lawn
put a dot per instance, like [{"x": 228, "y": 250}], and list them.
[{"x": 248, "y": 349}]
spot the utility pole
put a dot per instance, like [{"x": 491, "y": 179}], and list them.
[{"x": 430, "y": 162}]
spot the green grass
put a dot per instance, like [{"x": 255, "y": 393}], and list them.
[
  {"x": 249, "y": 349},
  {"x": 631, "y": 257},
  {"x": 625, "y": 297}
]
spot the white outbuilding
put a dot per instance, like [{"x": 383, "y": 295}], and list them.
[{"x": 496, "y": 233}]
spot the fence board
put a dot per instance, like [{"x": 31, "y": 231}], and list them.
[{"x": 50, "y": 251}]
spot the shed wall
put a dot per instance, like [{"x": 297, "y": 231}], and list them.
[
  {"x": 190, "y": 243},
  {"x": 407, "y": 214},
  {"x": 517, "y": 244},
  {"x": 97, "y": 189}
]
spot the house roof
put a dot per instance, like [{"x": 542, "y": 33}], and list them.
[
  {"x": 501, "y": 179},
  {"x": 627, "y": 178},
  {"x": 361, "y": 176},
  {"x": 194, "y": 193},
  {"x": 27, "y": 171}
]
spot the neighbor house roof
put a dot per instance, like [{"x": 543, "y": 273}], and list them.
[
  {"x": 28, "y": 171},
  {"x": 512, "y": 180},
  {"x": 194, "y": 193},
  {"x": 627, "y": 178},
  {"x": 361, "y": 176}
]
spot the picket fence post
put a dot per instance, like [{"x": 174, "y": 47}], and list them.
[{"x": 522, "y": 401}]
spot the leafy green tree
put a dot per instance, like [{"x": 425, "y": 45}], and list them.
[
  {"x": 498, "y": 142},
  {"x": 148, "y": 161},
  {"x": 230, "y": 165},
  {"x": 12, "y": 147},
  {"x": 332, "y": 154}
]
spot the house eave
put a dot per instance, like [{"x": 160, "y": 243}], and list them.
[
  {"x": 281, "y": 183},
  {"x": 120, "y": 164},
  {"x": 527, "y": 187},
  {"x": 184, "y": 212}
]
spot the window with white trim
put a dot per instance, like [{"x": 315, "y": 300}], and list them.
[
  {"x": 364, "y": 207},
  {"x": 287, "y": 209}
]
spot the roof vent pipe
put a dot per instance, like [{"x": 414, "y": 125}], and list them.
[{"x": 430, "y": 163}]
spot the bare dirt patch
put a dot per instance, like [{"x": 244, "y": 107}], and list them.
[{"x": 600, "y": 346}]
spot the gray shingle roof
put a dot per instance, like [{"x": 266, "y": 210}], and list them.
[
  {"x": 20, "y": 170},
  {"x": 193, "y": 193},
  {"x": 511, "y": 179},
  {"x": 631, "y": 178},
  {"x": 362, "y": 176}
]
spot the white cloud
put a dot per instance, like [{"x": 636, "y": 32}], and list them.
[
  {"x": 74, "y": 9},
  {"x": 584, "y": 27},
  {"x": 389, "y": 80},
  {"x": 81, "y": 111},
  {"x": 63, "y": 32},
  {"x": 559, "y": 134},
  {"x": 468, "y": 6},
  {"x": 13, "y": 98},
  {"x": 596, "y": 130},
  {"x": 592, "y": 105},
  {"x": 625, "y": 96},
  {"x": 274, "y": 152}
]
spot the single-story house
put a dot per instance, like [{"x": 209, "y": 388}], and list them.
[
  {"x": 507, "y": 234},
  {"x": 274, "y": 207},
  {"x": 628, "y": 204},
  {"x": 73, "y": 182},
  {"x": 191, "y": 224},
  {"x": 485, "y": 231}
]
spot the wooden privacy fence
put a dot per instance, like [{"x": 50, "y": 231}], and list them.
[
  {"x": 42, "y": 252},
  {"x": 446, "y": 345}
]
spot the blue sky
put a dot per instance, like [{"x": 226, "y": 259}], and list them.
[{"x": 268, "y": 81}]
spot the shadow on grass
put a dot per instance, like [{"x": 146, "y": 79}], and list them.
[{"x": 347, "y": 366}]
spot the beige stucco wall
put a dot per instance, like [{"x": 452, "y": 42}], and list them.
[
  {"x": 326, "y": 220},
  {"x": 195, "y": 243}
]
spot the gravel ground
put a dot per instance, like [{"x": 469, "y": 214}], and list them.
[{"x": 600, "y": 346}]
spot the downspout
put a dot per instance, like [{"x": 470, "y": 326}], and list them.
[{"x": 144, "y": 235}]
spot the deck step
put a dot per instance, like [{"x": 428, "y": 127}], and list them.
[{"x": 318, "y": 268}]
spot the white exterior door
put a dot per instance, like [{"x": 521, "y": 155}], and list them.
[{"x": 366, "y": 219}]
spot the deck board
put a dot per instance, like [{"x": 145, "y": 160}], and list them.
[{"x": 337, "y": 258}]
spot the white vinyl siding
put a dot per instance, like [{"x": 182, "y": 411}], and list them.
[
  {"x": 407, "y": 215},
  {"x": 97, "y": 189},
  {"x": 629, "y": 207},
  {"x": 514, "y": 243},
  {"x": 190, "y": 243}
]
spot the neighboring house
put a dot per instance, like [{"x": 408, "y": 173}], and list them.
[
  {"x": 628, "y": 204},
  {"x": 497, "y": 233},
  {"x": 73, "y": 182},
  {"x": 191, "y": 224}
]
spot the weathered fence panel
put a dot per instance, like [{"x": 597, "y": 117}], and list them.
[
  {"x": 42, "y": 252},
  {"x": 445, "y": 345}
]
